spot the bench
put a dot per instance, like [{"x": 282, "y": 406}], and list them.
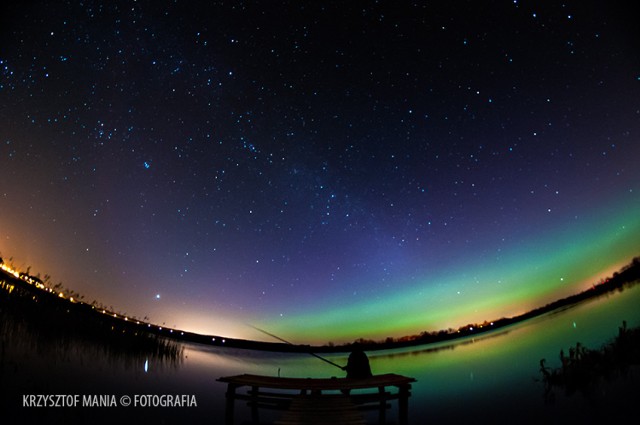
[{"x": 329, "y": 400}]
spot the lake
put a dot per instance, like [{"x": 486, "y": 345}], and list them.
[{"x": 493, "y": 378}]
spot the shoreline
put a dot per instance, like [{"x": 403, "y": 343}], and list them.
[{"x": 51, "y": 303}]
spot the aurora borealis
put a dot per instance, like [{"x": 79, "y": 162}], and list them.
[{"x": 325, "y": 170}]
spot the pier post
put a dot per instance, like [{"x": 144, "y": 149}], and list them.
[
  {"x": 403, "y": 404},
  {"x": 231, "y": 398},
  {"x": 382, "y": 409},
  {"x": 255, "y": 417}
]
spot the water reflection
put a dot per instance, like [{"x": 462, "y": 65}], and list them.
[{"x": 497, "y": 376}]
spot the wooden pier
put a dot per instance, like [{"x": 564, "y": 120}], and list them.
[{"x": 337, "y": 401}]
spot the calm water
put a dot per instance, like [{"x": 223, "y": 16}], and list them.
[{"x": 492, "y": 379}]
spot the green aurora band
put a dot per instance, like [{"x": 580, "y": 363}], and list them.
[{"x": 551, "y": 264}]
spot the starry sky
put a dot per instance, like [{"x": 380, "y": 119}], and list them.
[{"x": 325, "y": 170}]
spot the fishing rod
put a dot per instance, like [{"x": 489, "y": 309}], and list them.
[{"x": 291, "y": 343}]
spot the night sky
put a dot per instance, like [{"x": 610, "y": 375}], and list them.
[{"x": 325, "y": 170}]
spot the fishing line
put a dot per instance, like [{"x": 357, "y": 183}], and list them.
[{"x": 291, "y": 343}]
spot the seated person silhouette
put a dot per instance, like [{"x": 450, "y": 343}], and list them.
[{"x": 358, "y": 364}]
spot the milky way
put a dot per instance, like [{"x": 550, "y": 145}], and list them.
[{"x": 326, "y": 170}]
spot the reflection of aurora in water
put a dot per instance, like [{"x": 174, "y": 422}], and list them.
[{"x": 494, "y": 377}]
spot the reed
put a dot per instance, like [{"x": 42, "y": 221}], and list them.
[{"x": 42, "y": 324}]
